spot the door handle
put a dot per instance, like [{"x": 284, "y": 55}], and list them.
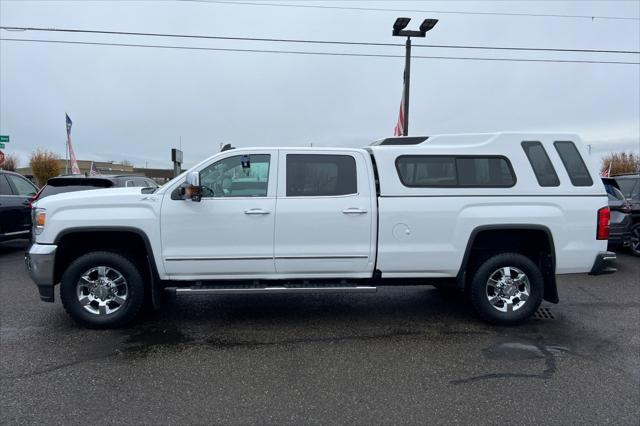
[
  {"x": 354, "y": 210},
  {"x": 256, "y": 211}
]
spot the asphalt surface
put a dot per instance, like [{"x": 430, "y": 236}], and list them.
[{"x": 402, "y": 355}]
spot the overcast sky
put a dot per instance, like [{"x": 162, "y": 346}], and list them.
[{"x": 130, "y": 103}]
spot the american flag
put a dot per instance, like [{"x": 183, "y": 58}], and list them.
[
  {"x": 399, "y": 129},
  {"x": 72, "y": 155},
  {"x": 93, "y": 171},
  {"x": 607, "y": 173}
]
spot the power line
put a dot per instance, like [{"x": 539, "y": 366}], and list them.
[
  {"x": 300, "y": 52},
  {"x": 329, "y": 42},
  {"x": 460, "y": 12}
]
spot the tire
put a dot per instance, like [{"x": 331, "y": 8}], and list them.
[
  {"x": 634, "y": 240},
  {"x": 487, "y": 279},
  {"x": 112, "y": 290}
]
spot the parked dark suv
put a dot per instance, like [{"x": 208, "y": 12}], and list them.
[
  {"x": 15, "y": 208},
  {"x": 620, "y": 223},
  {"x": 630, "y": 187},
  {"x": 71, "y": 183}
]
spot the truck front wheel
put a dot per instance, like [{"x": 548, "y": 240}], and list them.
[
  {"x": 102, "y": 290},
  {"x": 507, "y": 288}
]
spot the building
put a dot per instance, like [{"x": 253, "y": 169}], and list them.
[
  {"x": 159, "y": 175},
  {"x": 108, "y": 168}
]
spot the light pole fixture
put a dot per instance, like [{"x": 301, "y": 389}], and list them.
[{"x": 399, "y": 31}]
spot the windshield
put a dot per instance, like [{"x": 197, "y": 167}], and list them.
[{"x": 628, "y": 186}]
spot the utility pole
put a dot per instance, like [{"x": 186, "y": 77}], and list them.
[
  {"x": 399, "y": 31},
  {"x": 176, "y": 158}
]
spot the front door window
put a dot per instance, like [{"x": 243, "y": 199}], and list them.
[{"x": 237, "y": 176}]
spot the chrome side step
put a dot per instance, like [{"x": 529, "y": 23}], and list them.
[{"x": 270, "y": 290}]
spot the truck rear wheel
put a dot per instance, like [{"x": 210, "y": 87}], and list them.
[
  {"x": 507, "y": 288},
  {"x": 102, "y": 290}
]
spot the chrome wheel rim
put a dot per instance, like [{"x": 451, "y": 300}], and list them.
[
  {"x": 508, "y": 289},
  {"x": 102, "y": 290}
]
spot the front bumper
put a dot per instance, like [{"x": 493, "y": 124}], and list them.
[
  {"x": 40, "y": 260},
  {"x": 605, "y": 263}
]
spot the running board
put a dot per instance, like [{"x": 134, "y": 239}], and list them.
[{"x": 270, "y": 290}]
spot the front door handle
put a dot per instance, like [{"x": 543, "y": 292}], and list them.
[
  {"x": 256, "y": 211},
  {"x": 353, "y": 210}
]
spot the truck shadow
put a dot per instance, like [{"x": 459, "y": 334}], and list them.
[
  {"x": 402, "y": 303},
  {"x": 13, "y": 246}
]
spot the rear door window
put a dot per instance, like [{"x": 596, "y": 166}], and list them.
[
  {"x": 23, "y": 187},
  {"x": 317, "y": 175},
  {"x": 573, "y": 163},
  {"x": 541, "y": 164}
]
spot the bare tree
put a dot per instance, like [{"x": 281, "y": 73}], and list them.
[
  {"x": 44, "y": 165},
  {"x": 620, "y": 162},
  {"x": 11, "y": 162}
]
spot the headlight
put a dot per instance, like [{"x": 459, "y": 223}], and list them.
[{"x": 39, "y": 219}]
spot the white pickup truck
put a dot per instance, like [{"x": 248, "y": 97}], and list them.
[{"x": 496, "y": 216}]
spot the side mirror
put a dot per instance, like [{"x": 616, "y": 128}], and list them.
[{"x": 192, "y": 187}]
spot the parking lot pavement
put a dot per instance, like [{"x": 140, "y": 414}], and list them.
[{"x": 402, "y": 355}]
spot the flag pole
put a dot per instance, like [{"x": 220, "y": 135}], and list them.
[
  {"x": 407, "y": 84},
  {"x": 66, "y": 151}
]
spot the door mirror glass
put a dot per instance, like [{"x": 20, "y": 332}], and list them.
[{"x": 192, "y": 189}]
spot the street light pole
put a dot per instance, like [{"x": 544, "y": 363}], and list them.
[{"x": 399, "y": 30}]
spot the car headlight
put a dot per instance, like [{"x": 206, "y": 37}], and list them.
[{"x": 39, "y": 219}]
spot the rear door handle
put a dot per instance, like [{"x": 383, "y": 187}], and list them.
[
  {"x": 354, "y": 210},
  {"x": 256, "y": 211}
]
